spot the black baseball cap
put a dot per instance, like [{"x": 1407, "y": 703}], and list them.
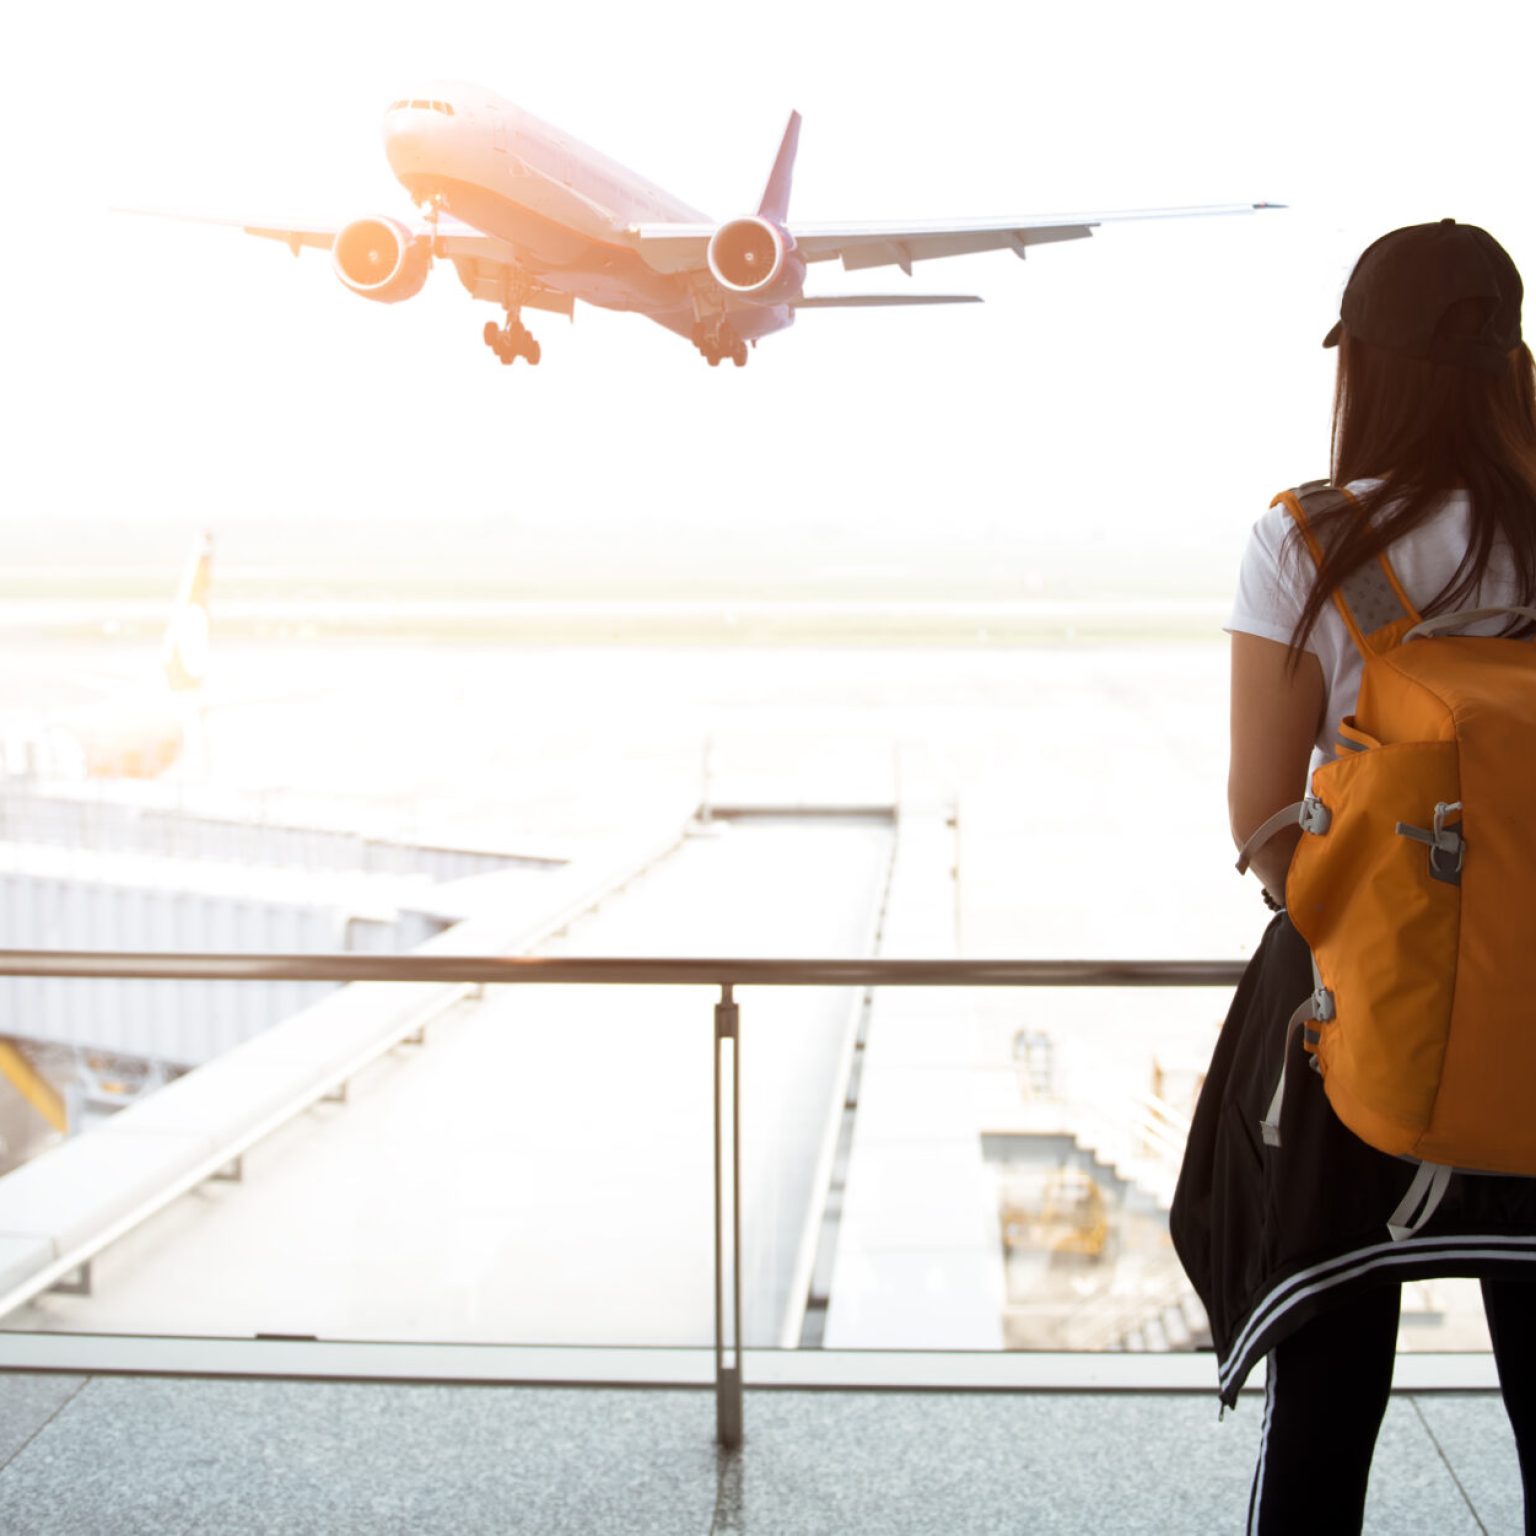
[{"x": 1404, "y": 283}]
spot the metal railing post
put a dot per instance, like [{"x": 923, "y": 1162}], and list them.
[{"x": 728, "y": 1415}]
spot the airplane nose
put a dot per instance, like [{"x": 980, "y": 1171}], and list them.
[{"x": 403, "y": 141}]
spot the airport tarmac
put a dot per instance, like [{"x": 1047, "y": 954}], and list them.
[{"x": 1089, "y": 779}]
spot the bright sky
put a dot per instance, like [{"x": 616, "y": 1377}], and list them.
[{"x": 1131, "y": 400}]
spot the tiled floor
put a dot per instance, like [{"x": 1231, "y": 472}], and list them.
[{"x": 163, "y": 1457}]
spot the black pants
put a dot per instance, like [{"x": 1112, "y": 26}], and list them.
[{"x": 1327, "y": 1392}]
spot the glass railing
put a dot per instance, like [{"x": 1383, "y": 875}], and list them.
[
  {"x": 785, "y": 1156},
  {"x": 430, "y": 1161}
]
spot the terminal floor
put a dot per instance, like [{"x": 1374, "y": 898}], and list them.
[{"x": 166, "y": 1456}]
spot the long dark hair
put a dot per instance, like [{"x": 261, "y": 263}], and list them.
[{"x": 1425, "y": 429}]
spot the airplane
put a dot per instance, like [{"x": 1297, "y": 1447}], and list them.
[
  {"x": 532, "y": 219},
  {"x": 137, "y": 730}
]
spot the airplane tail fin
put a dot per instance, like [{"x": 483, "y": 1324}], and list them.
[
  {"x": 775, "y": 203},
  {"x": 184, "y": 651}
]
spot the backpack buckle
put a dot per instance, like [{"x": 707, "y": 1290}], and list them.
[
  {"x": 1447, "y": 847},
  {"x": 1314, "y": 816}
]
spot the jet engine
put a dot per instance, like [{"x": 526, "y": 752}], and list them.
[
  {"x": 756, "y": 260},
  {"x": 381, "y": 259}
]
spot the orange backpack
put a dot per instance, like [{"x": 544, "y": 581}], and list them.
[{"x": 1414, "y": 883}]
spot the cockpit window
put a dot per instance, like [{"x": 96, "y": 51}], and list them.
[{"x": 446, "y": 108}]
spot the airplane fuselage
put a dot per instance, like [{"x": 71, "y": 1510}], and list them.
[{"x": 564, "y": 210}]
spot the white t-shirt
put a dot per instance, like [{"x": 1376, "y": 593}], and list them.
[{"x": 1277, "y": 573}]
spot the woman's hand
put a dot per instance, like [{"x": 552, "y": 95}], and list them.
[{"x": 1276, "y": 717}]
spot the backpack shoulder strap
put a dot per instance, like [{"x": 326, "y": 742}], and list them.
[{"x": 1371, "y": 601}]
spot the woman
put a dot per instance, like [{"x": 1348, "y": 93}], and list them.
[{"x": 1434, "y": 441}]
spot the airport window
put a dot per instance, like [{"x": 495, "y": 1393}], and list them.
[{"x": 947, "y": 649}]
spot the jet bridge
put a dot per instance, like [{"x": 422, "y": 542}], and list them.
[{"x": 95, "y": 872}]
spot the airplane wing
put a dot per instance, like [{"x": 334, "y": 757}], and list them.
[
  {"x": 678, "y": 247},
  {"x": 454, "y": 237},
  {"x": 484, "y": 264},
  {"x": 294, "y": 236}
]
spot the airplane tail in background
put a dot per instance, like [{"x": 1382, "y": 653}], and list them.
[
  {"x": 184, "y": 651},
  {"x": 775, "y": 203}
]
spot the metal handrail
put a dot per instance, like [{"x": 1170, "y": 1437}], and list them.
[
  {"x": 499, "y": 970},
  {"x": 725, "y": 973}
]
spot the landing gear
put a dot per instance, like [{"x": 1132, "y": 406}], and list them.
[
  {"x": 511, "y": 341},
  {"x": 717, "y": 342}
]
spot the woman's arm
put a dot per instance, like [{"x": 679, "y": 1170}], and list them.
[{"x": 1276, "y": 715}]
